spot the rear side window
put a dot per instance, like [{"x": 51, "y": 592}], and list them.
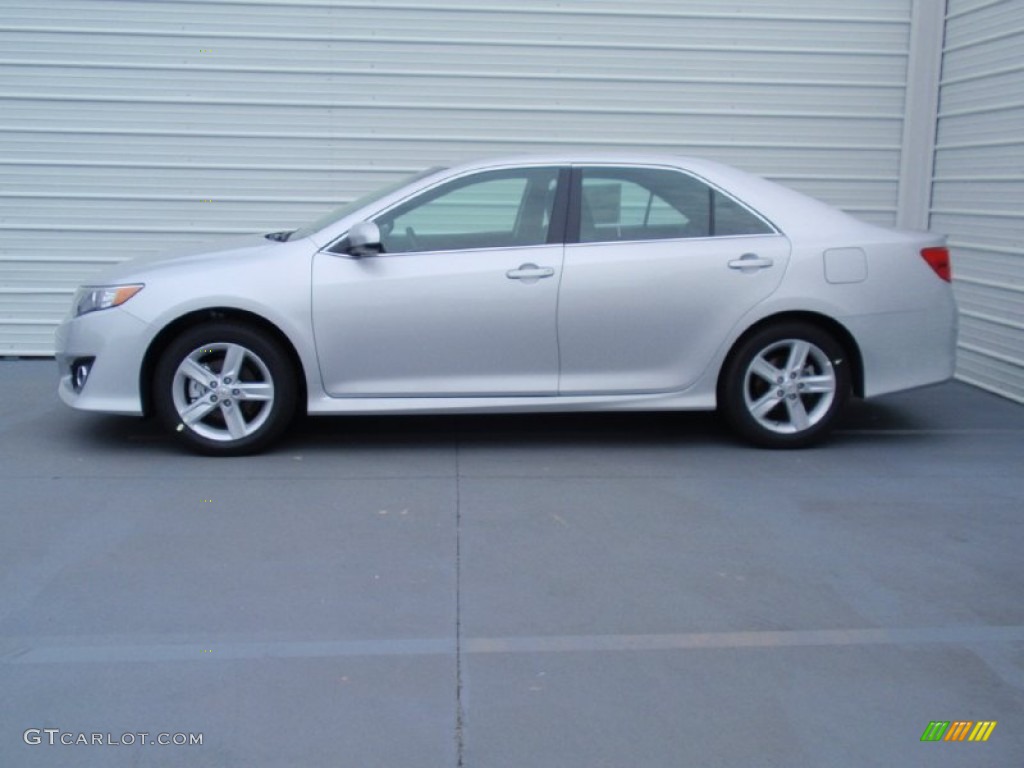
[{"x": 623, "y": 204}]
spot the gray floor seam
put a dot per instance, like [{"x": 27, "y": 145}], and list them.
[{"x": 459, "y": 711}]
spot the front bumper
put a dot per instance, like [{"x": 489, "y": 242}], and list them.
[{"x": 116, "y": 341}]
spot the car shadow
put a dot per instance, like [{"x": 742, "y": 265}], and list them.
[{"x": 510, "y": 429}]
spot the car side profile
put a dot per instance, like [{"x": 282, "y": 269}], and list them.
[{"x": 525, "y": 284}]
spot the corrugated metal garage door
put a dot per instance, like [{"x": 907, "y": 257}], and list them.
[
  {"x": 131, "y": 127},
  {"x": 978, "y": 192}
]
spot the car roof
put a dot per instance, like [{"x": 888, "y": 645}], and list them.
[{"x": 593, "y": 158}]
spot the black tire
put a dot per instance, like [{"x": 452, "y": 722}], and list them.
[
  {"x": 226, "y": 415},
  {"x": 801, "y": 408}
]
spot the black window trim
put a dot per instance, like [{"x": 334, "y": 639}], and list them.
[{"x": 559, "y": 225}]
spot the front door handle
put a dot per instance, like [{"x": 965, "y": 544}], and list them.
[
  {"x": 529, "y": 272},
  {"x": 750, "y": 261}
]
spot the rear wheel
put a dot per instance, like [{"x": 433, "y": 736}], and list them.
[
  {"x": 785, "y": 386},
  {"x": 225, "y": 389}
]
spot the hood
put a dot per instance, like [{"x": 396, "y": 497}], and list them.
[{"x": 234, "y": 248}]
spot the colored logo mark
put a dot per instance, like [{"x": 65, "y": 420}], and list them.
[{"x": 959, "y": 730}]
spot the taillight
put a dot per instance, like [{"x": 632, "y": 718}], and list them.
[{"x": 938, "y": 260}]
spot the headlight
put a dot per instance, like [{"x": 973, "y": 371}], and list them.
[{"x": 90, "y": 298}]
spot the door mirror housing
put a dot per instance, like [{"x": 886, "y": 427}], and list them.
[{"x": 363, "y": 240}]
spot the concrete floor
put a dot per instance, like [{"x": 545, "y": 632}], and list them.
[{"x": 601, "y": 590}]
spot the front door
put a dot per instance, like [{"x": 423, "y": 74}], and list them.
[{"x": 461, "y": 303}]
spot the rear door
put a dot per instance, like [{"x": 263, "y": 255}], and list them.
[{"x": 663, "y": 268}]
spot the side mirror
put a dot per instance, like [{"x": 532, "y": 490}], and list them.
[{"x": 364, "y": 240}]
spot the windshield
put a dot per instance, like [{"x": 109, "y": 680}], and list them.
[{"x": 343, "y": 211}]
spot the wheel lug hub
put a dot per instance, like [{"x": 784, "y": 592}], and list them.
[{"x": 213, "y": 398}]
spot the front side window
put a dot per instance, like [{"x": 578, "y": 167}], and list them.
[
  {"x": 494, "y": 209},
  {"x": 623, "y": 204}
]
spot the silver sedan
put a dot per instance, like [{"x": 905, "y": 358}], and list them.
[{"x": 529, "y": 284}]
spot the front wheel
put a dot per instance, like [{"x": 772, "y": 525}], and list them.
[
  {"x": 785, "y": 386},
  {"x": 224, "y": 389}
]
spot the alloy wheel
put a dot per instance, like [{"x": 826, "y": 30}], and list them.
[
  {"x": 223, "y": 391},
  {"x": 789, "y": 386}
]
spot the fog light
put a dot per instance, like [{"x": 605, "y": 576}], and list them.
[{"x": 80, "y": 372}]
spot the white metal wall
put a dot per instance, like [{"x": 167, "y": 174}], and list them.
[
  {"x": 978, "y": 190},
  {"x": 128, "y": 127}
]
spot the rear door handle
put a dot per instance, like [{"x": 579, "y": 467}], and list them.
[
  {"x": 750, "y": 261},
  {"x": 529, "y": 272}
]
